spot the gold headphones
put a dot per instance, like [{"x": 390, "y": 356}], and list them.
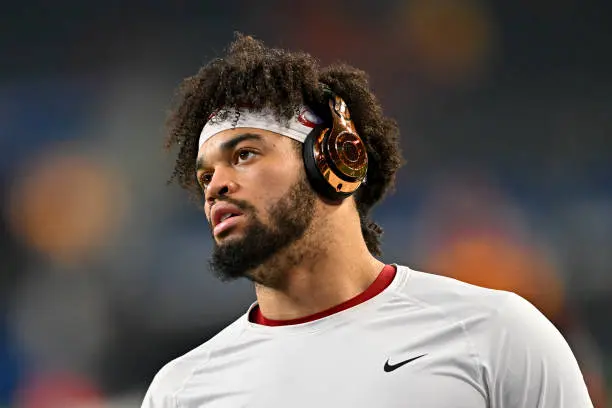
[{"x": 336, "y": 158}]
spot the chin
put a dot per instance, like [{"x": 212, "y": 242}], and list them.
[{"x": 227, "y": 237}]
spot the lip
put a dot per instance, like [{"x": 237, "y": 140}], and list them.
[
  {"x": 218, "y": 211},
  {"x": 223, "y": 226}
]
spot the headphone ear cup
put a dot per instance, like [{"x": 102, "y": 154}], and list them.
[{"x": 313, "y": 172}]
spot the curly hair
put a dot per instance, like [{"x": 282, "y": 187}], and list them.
[{"x": 261, "y": 77}]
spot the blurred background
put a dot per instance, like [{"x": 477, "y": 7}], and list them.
[{"x": 505, "y": 110}]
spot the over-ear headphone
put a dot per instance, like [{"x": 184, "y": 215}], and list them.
[{"x": 335, "y": 158}]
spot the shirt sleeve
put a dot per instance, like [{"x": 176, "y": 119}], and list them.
[
  {"x": 527, "y": 362},
  {"x": 162, "y": 391},
  {"x": 155, "y": 399}
]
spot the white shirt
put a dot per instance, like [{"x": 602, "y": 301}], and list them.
[{"x": 426, "y": 341}]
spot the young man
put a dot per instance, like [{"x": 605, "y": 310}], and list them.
[{"x": 289, "y": 158}]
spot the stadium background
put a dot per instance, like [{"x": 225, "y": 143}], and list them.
[{"x": 506, "y": 124}]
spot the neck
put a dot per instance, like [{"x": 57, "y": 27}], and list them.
[{"x": 339, "y": 268}]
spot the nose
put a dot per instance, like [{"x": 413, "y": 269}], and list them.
[{"x": 221, "y": 184}]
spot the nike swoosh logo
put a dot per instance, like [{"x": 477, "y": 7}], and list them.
[{"x": 391, "y": 367}]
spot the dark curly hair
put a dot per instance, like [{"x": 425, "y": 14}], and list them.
[{"x": 261, "y": 77}]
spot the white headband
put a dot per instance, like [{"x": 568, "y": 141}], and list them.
[{"x": 298, "y": 127}]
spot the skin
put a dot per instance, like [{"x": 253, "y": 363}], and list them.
[{"x": 327, "y": 266}]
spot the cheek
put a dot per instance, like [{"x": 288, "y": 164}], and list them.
[
  {"x": 207, "y": 212},
  {"x": 272, "y": 184}
]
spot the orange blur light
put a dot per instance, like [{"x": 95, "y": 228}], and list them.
[
  {"x": 451, "y": 40},
  {"x": 66, "y": 206}
]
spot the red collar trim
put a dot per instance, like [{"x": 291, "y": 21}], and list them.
[{"x": 384, "y": 279}]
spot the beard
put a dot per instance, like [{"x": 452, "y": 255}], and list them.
[{"x": 261, "y": 245}]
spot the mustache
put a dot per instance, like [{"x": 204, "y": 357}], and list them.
[{"x": 243, "y": 205}]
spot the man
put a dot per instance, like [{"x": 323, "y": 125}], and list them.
[{"x": 289, "y": 158}]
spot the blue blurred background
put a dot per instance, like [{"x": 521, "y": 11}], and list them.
[{"x": 506, "y": 125}]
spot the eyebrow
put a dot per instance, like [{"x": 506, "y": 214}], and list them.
[{"x": 228, "y": 146}]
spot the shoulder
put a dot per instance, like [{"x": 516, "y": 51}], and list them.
[
  {"x": 486, "y": 316},
  {"x": 516, "y": 347},
  {"x": 173, "y": 376},
  {"x": 454, "y": 298}
]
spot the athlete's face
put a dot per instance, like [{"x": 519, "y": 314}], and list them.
[{"x": 256, "y": 178}]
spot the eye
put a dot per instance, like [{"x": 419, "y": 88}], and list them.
[
  {"x": 244, "y": 155},
  {"x": 205, "y": 179}
]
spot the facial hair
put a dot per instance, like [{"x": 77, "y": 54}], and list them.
[{"x": 289, "y": 219}]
